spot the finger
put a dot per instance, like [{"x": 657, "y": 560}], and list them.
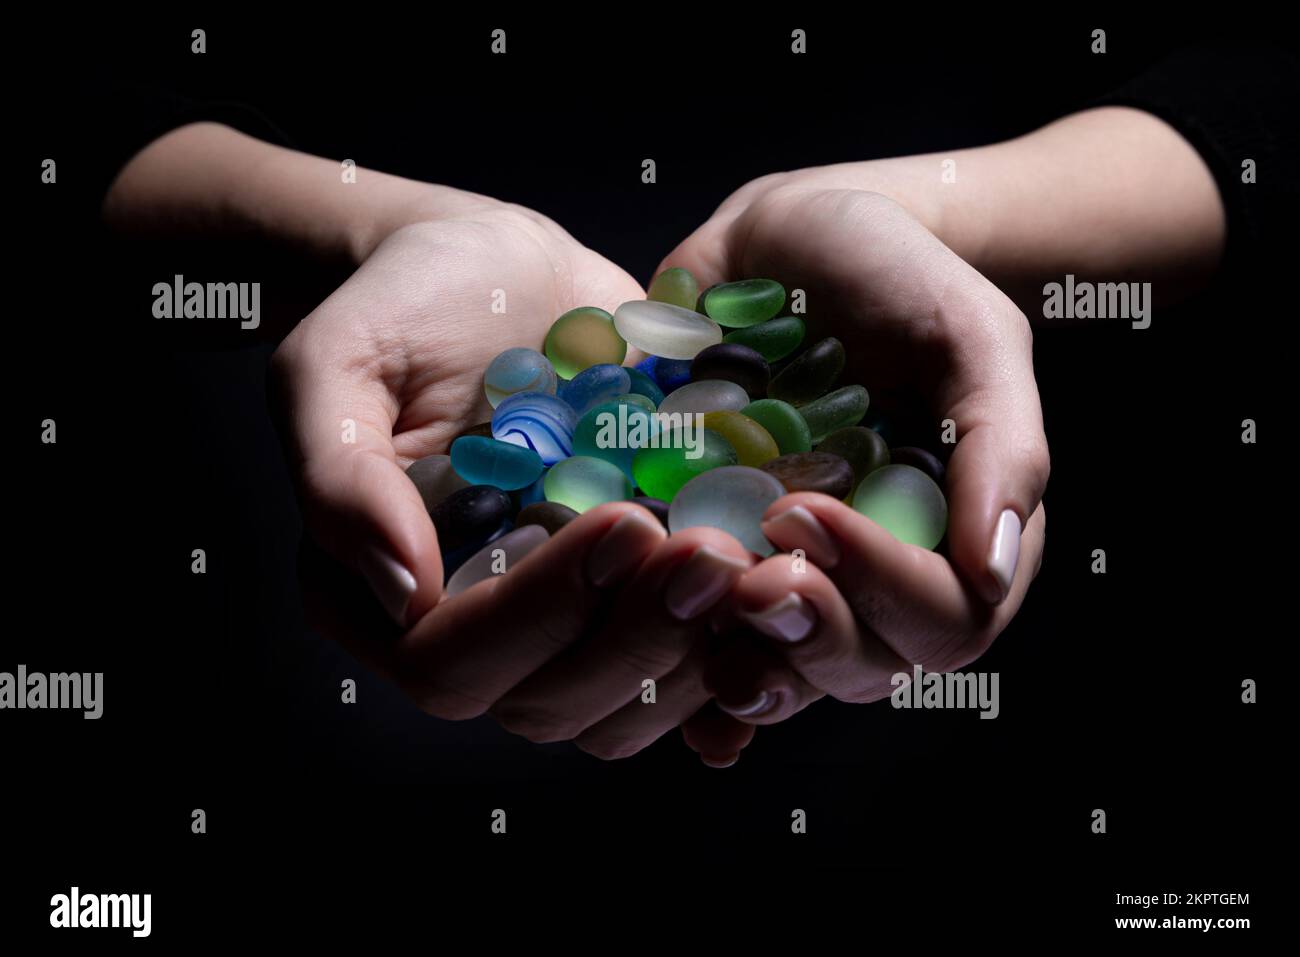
[
  {"x": 660, "y": 618},
  {"x": 913, "y": 599},
  {"x": 357, "y": 502},
  {"x": 467, "y": 653},
  {"x": 716, "y": 736},
  {"x": 804, "y": 614}
]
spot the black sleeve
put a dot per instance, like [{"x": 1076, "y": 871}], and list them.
[{"x": 1234, "y": 105}]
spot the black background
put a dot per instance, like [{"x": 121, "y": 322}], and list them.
[{"x": 1119, "y": 691}]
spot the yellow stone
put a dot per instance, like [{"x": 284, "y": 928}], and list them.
[{"x": 754, "y": 445}]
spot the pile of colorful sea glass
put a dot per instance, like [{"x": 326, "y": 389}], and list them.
[{"x": 710, "y": 429}]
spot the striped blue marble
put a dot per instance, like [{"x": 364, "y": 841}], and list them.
[
  {"x": 595, "y": 386},
  {"x": 543, "y": 423}
]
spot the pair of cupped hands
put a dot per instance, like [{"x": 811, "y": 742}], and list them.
[{"x": 389, "y": 369}]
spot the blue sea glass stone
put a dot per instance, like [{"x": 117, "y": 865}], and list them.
[
  {"x": 642, "y": 384},
  {"x": 483, "y": 461},
  {"x": 543, "y": 423},
  {"x": 594, "y": 385},
  {"x": 668, "y": 374},
  {"x": 518, "y": 370}
]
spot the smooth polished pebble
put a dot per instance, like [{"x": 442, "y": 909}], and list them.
[
  {"x": 660, "y": 472},
  {"x": 452, "y": 560},
  {"x": 919, "y": 458},
  {"x": 466, "y": 519},
  {"x": 483, "y": 461},
  {"x": 710, "y": 395},
  {"x": 614, "y": 431},
  {"x": 543, "y": 423},
  {"x": 754, "y": 445},
  {"x": 595, "y": 385},
  {"x": 783, "y": 422},
  {"x": 434, "y": 478},
  {"x": 518, "y": 370},
  {"x": 582, "y": 482},
  {"x": 733, "y": 363},
  {"x": 531, "y": 493},
  {"x": 835, "y": 410},
  {"x": 496, "y": 558},
  {"x": 773, "y": 340},
  {"x": 643, "y": 384},
  {"x": 675, "y": 286},
  {"x": 810, "y": 375},
  {"x": 906, "y": 503},
  {"x": 732, "y": 498},
  {"x": 551, "y": 516},
  {"x": 668, "y": 374},
  {"x": 670, "y": 332},
  {"x": 812, "y": 472},
  {"x": 633, "y": 398},
  {"x": 744, "y": 303},
  {"x": 862, "y": 448},
  {"x": 582, "y": 338}
]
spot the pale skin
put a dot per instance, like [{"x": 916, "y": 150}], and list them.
[{"x": 892, "y": 255}]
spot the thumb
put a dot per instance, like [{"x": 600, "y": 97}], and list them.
[{"x": 358, "y": 503}]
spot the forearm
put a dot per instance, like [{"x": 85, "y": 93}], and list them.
[{"x": 208, "y": 179}]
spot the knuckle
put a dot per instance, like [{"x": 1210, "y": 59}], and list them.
[{"x": 536, "y": 723}]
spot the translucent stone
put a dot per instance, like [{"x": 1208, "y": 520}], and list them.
[
  {"x": 669, "y": 332},
  {"x": 733, "y": 363},
  {"x": 863, "y": 449},
  {"x": 496, "y": 558},
  {"x": 744, "y": 303},
  {"x": 466, "y": 519},
  {"x": 783, "y": 422},
  {"x": 923, "y": 460},
  {"x": 811, "y": 375},
  {"x": 582, "y": 338},
  {"x": 594, "y": 385},
  {"x": 812, "y": 472},
  {"x": 483, "y": 461},
  {"x": 773, "y": 340},
  {"x": 675, "y": 286},
  {"x": 551, "y": 516},
  {"x": 543, "y": 423},
  {"x": 681, "y": 455},
  {"x": 643, "y": 384},
  {"x": 707, "y": 396},
  {"x": 518, "y": 370},
  {"x": 434, "y": 478},
  {"x": 583, "y": 482},
  {"x": 906, "y": 503},
  {"x": 835, "y": 410},
  {"x": 614, "y": 431},
  {"x": 633, "y": 398},
  {"x": 667, "y": 374},
  {"x": 732, "y": 498},
  {"x": 754, "y": 445}
]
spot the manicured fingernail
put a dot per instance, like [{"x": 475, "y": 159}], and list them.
[
  {"x": 623, "y": 546},
  {"x": 390, "y": 580},
  {"x": 700, "y": 582},
  {"x": 765, "y": 702},
  {"x": 790, "y": 619},
  {"x": 713, "y": 762},
  {"x": 1005, "y": 551},
  {"x": 798, "y": 528}
]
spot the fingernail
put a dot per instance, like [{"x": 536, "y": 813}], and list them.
[
  {"x": 800, "y": 527},
  {"x": 391, "y": 581},
  {"x": 764, "y": 703},
  {"x": 1005, "y": 551},
  {"x": 790, "y": 619},
  {"x": 701, "y": 581},
  {"x": 720, "y": 762},
  {"x": 622, "y": 547}
]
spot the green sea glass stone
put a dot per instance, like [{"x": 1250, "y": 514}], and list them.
[
  {"x": 675, "y": 286},
  {"x": 581, "y": 482},
  {"x": 633, "y": 398},
  {"x": 773, "y": 340},
  {"x": 783, "y": 422},
  {"x": 835, "y": 410},
  {"x": 906, "y": 503},
  {"x": 582, "y": 338},
  {"x": 744, "y": 303},
  {"x": 811, "y": 375},
  {"x": 615, "y": 431},
  {"x": 682, "y": 454},
  {"x": 861, "y": 447}
]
